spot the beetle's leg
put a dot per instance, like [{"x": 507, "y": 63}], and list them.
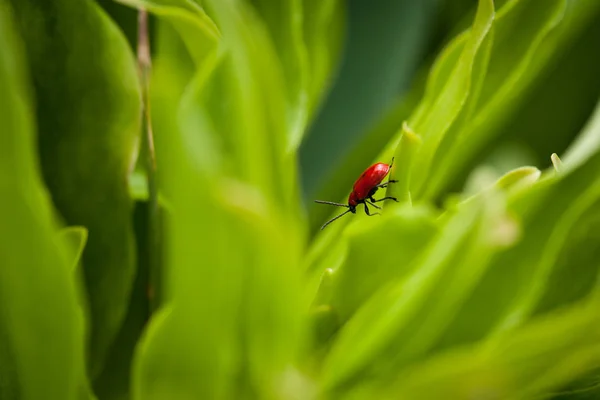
[
  {"x": 367, "y": 211},
  {"x": 371, "y": 204},
  {"x": 384, "y": 184},
  {"x": 385, "y": 198}
]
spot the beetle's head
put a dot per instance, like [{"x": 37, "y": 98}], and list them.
[{"x": 352, "y": 201}]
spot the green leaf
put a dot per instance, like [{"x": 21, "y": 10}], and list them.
[
  {"x": 517, "y": 279},
  {"x": 512, "y": 182},
  {"x": 388, "y": 329},
  {"x": 451, "y": 100},
  {"x": 527, "y": 42},
  {"x": 541, "y": 356},
  {"x": 323, "y": 35},
  {"x": 233, "y": 270},
  {"x": 379, "y": 252},
  {"x": 82, "y": 68},
  {"x": 285, "y": 22},
  {"x": 405, "y": 153},
  {"x": 38, "y": 294}
]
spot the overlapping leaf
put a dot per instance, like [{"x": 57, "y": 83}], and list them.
[
  {"x": 81, "y": 72},
  {"x": 35, "y": 268},
  {"x": 391, "y": 327},
  {"x": 233, "y": 276}
]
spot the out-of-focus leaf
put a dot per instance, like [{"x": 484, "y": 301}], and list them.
[
  {"x": 535, "y": 359},
  {"x": 114, "y": 383},
  {"x": 197, "y": 276},
  {"x": 517, "y": 279},
  {"x": 285, "y": 22},
  {"x": 573, "y": 245},
  {"x": 585, "y": 388},
  {"x": 150, "y": 357},
  {"x": 235, "y": 234},
  {"x": 576, "y": 266},
  {"x": 324, "y": 26},
  {"x": 554, "y": 110},
  {"x": 548, "y": 262},
  {"x": 82, "y": 68},
  {"x": 173, "y": 69},
  {"x": 518, "y": 178},
  {"x": 40, "y": 323},
  {"x": 404, "y": 319},
  {"x": 527, "y": 42},
  {"x": 307, "y": 35}
]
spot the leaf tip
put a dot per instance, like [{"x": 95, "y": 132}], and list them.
[{"x": 556, "y": 162}]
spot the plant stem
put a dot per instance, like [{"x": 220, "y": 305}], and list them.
[{"x": 153, "y": 237}]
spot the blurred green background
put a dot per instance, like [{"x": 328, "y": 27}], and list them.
[{"x": 158, "y": 235}]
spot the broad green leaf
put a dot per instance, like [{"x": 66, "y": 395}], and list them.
[
  {"x": 235, "y": 234},
  {"x": 559, "y": 260},
  {"x": 576, "y": 266},
  {"x": 285, "y": 22},
  {"x": 383, "y": 329},
  {"x": 379, "y": 252},
  {"x": 150, "y": 356},
  {"x": 172, "y": 70},
  {"x": 82, "y": 68},
  {"x": 40, "y": 322},
  {"x": 258, "y": 132},
  {"x": 323, "y": 28},
  {"x": 534, "y": 360},
  {"x": 200, "y": 275},
  {"x": 584, "y": 388},
  {"x": 517, "y": 278}
]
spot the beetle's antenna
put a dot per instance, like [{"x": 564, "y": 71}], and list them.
[
  {"x": 334, "y": 218},
  {"x": 331, "y": 203}
]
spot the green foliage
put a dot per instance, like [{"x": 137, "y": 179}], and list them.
[
  {"x": 87, "y": 102},
  {"x": 480, "y": 282},
  {"x": 38, "y": 289}
]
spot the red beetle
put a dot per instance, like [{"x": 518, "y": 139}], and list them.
[{"x": 363, "y": 190}]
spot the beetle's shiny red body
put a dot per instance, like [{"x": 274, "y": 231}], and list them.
[
  {"x": 367, "y": 182},
  {"x": 363, "y": 190}
]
